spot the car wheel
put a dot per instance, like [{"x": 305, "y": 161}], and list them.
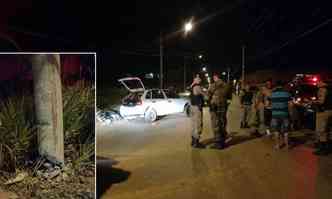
[
  {"x": 187, "y": 110},
  {"x": 150, "y": 115}
]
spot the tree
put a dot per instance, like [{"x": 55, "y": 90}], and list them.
[{"x": 48, "y": 106}]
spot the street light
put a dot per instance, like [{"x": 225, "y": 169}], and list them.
[
  {"x": 200, "y": 56},
  {"x": 204, "y": 69},
  {"x": 188, "y": 27}
]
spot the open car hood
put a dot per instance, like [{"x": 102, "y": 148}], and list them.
[{"x": 132, "y": 84}]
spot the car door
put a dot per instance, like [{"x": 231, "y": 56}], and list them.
[
  {"x": 158, "y": 102},
  {"x": 175, "y": 103}
]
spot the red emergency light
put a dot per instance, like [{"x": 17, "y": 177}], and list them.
[{"x": 313, "y": 79}]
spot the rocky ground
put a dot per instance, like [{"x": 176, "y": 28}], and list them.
[
  {"x": 41, "y": 179},
  {"x": 49, "y": 183}
]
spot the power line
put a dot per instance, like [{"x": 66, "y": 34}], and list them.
[{"x": 272, "y": 50}]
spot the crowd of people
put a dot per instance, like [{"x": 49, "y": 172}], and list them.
[{"x": 267, "y": 108}]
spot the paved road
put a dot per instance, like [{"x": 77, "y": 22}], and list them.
[{"x": 156, "y": 162}]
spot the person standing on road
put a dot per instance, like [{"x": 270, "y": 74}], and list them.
[
  {"x": 237, "y": 88},
  {"x": 197, "y": 102},
  {"x": 263, "y": 105},
  {"x": 323, "y": 117},
  {"x": 218, "y": 93},
  {"x": 280, "y": 100},
  {"x": 246, "y": 100}
]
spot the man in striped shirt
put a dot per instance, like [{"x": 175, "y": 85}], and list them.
[{"x": 280, "y": 100}]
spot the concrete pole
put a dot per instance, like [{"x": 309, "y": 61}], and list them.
[
  {"x": 243, "y": 65},
  {"x": 228, "y": 74},
  {"x": 184, "y": 74},
  {"x": 161, "y": 76},
  {"x": 48, "y": 106}
]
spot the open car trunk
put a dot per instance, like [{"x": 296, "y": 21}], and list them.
[
  {"x": 132, "y": 99},
  {"x": 136, "y": 89},
  {"x": 132, "y": 84}
]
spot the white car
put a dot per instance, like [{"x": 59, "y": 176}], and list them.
[{"x": 150, "y": 103}]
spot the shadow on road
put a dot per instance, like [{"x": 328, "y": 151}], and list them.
[
  {"x": 297, "y": 139},
  {"x": 234, "y": 139},
  {"x": 107, "y": 175},
  {"x": 241, "y": 139}
]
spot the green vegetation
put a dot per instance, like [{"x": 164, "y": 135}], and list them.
[
  {"x": 79, "y": 121},
  {"x": 18, "y": 131}
]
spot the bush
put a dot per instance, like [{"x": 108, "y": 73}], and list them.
[
  {"x": 79, "y": 121},
  {"x": 17, "y": 131},
  {"x": 18, "y": 134}
]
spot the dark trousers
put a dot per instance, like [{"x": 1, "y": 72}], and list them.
[
  {"x": 267, "y": 117},
  {"x": 218, "y": 121}
]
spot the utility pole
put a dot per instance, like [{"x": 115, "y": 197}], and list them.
[
  {"x": 243, "y": 64},
  {"x": 48, "y": 102},
  {"x": 228, "y": 74},
  {"x": 161, "y": 75},
  {"x": 184, "y": 74}
]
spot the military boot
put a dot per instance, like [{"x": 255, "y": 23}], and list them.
[
  {"x": 196, "y": 144},
  {"x": 323, "y": 149},
  {"x": 218, "y": 145}
]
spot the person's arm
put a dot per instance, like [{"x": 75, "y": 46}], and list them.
[
  {"x": 211, "y": 90},
  {"x": 322, "y": 96},
  {"x": 198, "y": 91},
  {"x": 290, "y": 105}
]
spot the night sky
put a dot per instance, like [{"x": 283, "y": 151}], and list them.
[{"x": 277, "y": 34}]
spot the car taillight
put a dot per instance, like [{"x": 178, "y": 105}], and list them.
[{"x": 315, "y": 80}]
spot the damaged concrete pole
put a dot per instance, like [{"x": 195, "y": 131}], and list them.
[{"x": 48, "y": 106}]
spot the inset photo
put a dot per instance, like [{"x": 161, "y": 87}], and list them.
[{"x": 47, "y": 125}]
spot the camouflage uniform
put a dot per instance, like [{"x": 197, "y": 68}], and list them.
[
  {"x": 197, "y": 100},
  {"x": 196, "y": 112},
  {"x": 218, "y": 93},
  {"x": 323, "y": 118}
]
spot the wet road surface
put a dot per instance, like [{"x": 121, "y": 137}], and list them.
[{"x": 157, "y": 162}]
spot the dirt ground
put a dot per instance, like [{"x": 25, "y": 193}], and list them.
[{"x": 68, "y": 184}]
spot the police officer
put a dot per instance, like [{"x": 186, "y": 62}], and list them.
[
  {"x": 323, "y": 116},
  {"x": 218, "y": 93},
  {"x": 197, "y": 101}
]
